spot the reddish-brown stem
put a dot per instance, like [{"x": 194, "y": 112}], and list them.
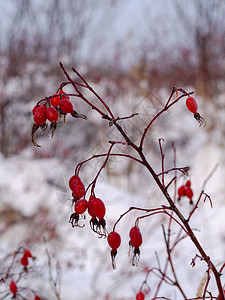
[
  {"x": 162, "y": 156},
  {"x": 79, "y": 93},
  {"x": 165, "y": 108},
  {"x": 93, "y": 91},
  {"x": 176, "y": 282},
  {"x": 78, "y": 167}
]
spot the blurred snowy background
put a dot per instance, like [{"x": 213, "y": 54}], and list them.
[{"x": 132, "y": 52}]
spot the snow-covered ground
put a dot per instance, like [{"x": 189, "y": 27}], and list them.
[{"x": 36, "y": 189}]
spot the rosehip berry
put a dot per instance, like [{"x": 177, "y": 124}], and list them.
[
  {"x": 13, "y": 287},
  {"x": 140, "y": 296},
  {"x": 192, "y": 105},
  {"x": 66, "y": 106},
  {"x": 78, "y": 190},
  {"x": 81, "y": 206},
  {"x": 27, "y": 253},
  {"x": 37, "y": 298},
  {"x": 72, "y": 181},
  {"x": 55, "y": 100},
  {"x": 98, "y": 208},
  {"x": 61, "y": 92},
  {"x": 181, "y": 191},
  {"x": 35, "y": 109},
  {"x": 52, "y": 114},
  {"x": 40, "y": 116},
  {"x": 188, "y": 183},
  {"x": 24, "y": 261},
  {"x": 189, "y": 192},
  {"x": 135, "y": 237},
  {"x": 114, "y": 240},
  {"x": 90, "y": 208}
]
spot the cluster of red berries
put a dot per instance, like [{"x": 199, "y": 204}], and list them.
[
  {"x": 59, "y": 104},
  {"x": 24, "y": 261},
  {"x": 185, "y": 190},
  {"x": 95, "y": 207},
  {"x": 114, "y": 241},
  {"x": 192, "y": 106},
  {"x": 51, "y": 109}
]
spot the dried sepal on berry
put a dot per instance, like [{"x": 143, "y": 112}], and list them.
[
  {"x": 200, "y": 120},
  {"x": 34, "y": 129},
  {"x": 74, "y": 219},
  {"x": 75, "y": 114}
]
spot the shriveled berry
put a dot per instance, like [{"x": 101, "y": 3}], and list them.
[
  {"x": 98, "y": 207},
  {"x": 140, "y": 296},
  {"x": 135, "y": 237},
  {"x": 13, "y": 288},
  {"x": 52, "y": 114},
  {"x": 40, "y": 116},
  {"x": 55, "y": 100},
  {"x": 114, "y": 240},
  {"x": 192, "y": 105},
  {"x": 24, "y": 261},
  {"x": 66, "y": 106},
  {"x": 81, "y": 206}
]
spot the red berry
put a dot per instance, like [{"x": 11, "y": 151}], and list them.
[
  {"x": 40, "y": 116},
  {"x": 61, "y": 92},
  {"x": 81, "y": 206},
  {"x": 24, "y": 261},
  {"x": 72, "y": 181},
  {"x": 35, "y": 109},
  {"x": 135, "y": 237},
  {"x": 37, "y": 298},
  {"x": 98, "y": 208},
  {"x": 133, "y": 231},
  {"x": 52, "y": 114},
  {"x": 188, "y": 183},
  {"x": 140, "y": 296},
  {"x": 66, "y": 106},
  {"x": 13, "y": 287},
  {"x": 192, "y": 104},
  {"x": 78, "y": 189},
  {"x": 55, "y": 100},
  {"x": 90, "y": 208},
  {"x": 114, "y": 240},
  {"x": 27, "y": 253},
  {"x": 181, "y": 191},
  {"x": 189, "y": 192}
]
